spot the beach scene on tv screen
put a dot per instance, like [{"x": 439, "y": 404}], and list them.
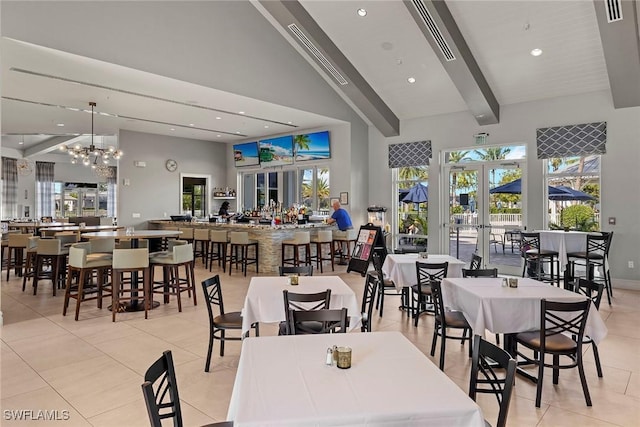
[
  {"x": 246, "y": 154},
  {"x": 276, "y": 151},
  {"x": 312, "y": 146}
]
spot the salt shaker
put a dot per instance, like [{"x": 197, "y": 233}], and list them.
[
  {"x": 505, "y": 283},
  {"x": 329, "y": 360}
]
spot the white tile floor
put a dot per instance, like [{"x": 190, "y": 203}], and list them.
[{"x": 93, "y": 368}]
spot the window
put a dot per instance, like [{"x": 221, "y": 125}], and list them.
[
  {"x": 306, "y": 186},
  {"x": 411, "y": 227},
  {"x": 80, "y": 199},
  {"x": 579, "y": 177}
]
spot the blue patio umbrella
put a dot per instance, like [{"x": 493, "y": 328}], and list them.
[
  {"x": 515, "y": 187},
  {"x": 571, "y": 194},
  {"x": 417, "y": 194}
]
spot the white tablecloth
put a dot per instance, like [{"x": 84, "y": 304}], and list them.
[
  {"x": 401, "y": 268},
  {"x": 563, "y": 242},
  {"x": 486, "y": 304},
  {"x": 264, "y": 301},
  {"x": 283, "y": 381}
]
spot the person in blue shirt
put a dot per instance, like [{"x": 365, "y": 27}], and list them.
[{"x": 340, "y": 217}]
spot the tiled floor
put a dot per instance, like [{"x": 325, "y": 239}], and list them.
[{"x": 93, "y": 368}]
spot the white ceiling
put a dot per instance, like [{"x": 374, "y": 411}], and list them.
[{"x": 386, "y": 47}]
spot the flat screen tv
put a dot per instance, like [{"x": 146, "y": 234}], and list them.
[
  {"x": 312, "y": 146},
  {"x": 276, "y": 151},
  {"x": 246, "y": 154}
]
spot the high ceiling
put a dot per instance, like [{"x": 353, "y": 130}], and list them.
[{"x": 376, "y": 54}]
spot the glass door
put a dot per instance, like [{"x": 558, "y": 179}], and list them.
[{"x": 485, "y": 213}]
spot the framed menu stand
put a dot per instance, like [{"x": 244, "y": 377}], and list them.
[{"x": 370, "y": 237}]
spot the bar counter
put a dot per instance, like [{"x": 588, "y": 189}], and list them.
[{"x": 269, "y": 238}]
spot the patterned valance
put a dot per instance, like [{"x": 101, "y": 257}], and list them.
[
  {"x": 572, "y": 140},
  {"x": 409, "y": 154}
]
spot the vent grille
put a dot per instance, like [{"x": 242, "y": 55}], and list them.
[
  {"x": 614, "y": 11},
  {"x": 317, "y": 54},
  {"x": 434, "y": 30}
]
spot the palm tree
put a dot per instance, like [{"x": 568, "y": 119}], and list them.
[
  {"x": 301, "y": 142},
  {"x": 412, "y": 173},
  {"x": 456, "y": 157},
  {"x": 491, "y": 154}
]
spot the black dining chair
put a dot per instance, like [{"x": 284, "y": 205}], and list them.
[
  {"x": 593, "y": 291},
  {"x": 303, "y": 302},
  {"x": 385, "y": 286},
  {"x": 421, "y": 292},
  {"x": 223, "y": 322},
  {"x": 480, "y": 272},
  {"x": 160, "y": 391},
  {"x": 492, "y": 372},
  {"x": 369, "y": 294},
  {"x": 331, "y": 321},
  {"x": 300, "y": 270},
  {"x": 535, "y": 258}
]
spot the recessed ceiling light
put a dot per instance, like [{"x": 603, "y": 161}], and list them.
[
  {"x": 362, "y": 12},
  {"x": 191, "y": 124},
  {"x": 237, "y": 131},
  {"x": 240, "y": 112},
  {"x": 60, "y": 124},
  {"x": 219, "y": 136},
  {"x": 218, "y": 118},
  {"x": 536, "y": 52},
  {"x": 411, "y": 79},
  {"x": 289, "y": 123},
  {"x": 172, "y": 129},
  {"x": 266, "y": 126},
  {"x": 20, "y": 142}
]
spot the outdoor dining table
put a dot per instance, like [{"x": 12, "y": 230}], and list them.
[
  {"x": 265, "y": 302},
  {"x": 401, "y": 268},
  {"x": 284, "y": 381}
]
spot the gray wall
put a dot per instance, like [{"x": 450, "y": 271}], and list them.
[
  {"x": 153, "y": 190},
  {"x": 518, "y": 122}
]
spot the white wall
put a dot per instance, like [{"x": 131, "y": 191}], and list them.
[{"x": 518, "y": 123}]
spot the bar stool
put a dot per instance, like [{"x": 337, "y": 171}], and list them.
[
  {"x": 534, "y": 257},
  {"x": 181, "y": 255},
  {"x": 187, "y": 234},
  {"x": 201, "y": 236},
  {"x": 324, "y": 237},
  {"x": 165, "y": 240},
  {"x": 130, "y": 261},
  {"x": 83, "y": 267},
  {"x": 342, "y": 238},
  {"x": 29, "y": 260},
  {"x": 219, "y": 241},
  {"x": 595, "y": 256},
  {"x": 240, "y": 241},
  {"x": 50, "y": 252},
  {"x": 301, "y": 239},
  {"x": 16, "y": 247}
]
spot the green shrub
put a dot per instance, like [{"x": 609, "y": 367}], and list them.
[{"x": 579, "y": 217}]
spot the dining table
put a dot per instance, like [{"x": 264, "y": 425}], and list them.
[
  {"x": 401, "y": 268},
  {"x": 563, "y": 242},
  {"x": 81, "y": 229},
  {"x": 285, "y": 381},
  {"x": 264, "y": 301}
]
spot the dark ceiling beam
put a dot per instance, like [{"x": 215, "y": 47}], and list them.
[
  {"x": 621, "y": 45},
  {"x": 301, "y": 27},
  {"x": 435, "y": 20}
]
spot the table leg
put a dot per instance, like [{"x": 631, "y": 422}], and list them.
[{"x": 511, "y": 348}]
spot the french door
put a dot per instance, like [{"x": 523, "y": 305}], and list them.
[{"x": 480, "y": 218}]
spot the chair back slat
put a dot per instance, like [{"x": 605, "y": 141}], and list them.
[
  {"x": 306, "y": 302},
  {"x": 306, "y": 322},
  {"x": 213, "y": 295},
  {"x": 563, "y": 317},
  {"x": 590, "y": 289},
  {"x": 300, "y": 270},
  {"x": 160, "y": 391},
  {"x": 370, "y": 290},
  {"x": 487, "y": 272}
]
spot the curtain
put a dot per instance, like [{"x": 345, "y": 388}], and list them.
[
  {"x": 409, "y": 154},
  {"x": 9, "y": 188},
  {"x": 45, "y": 201},
  {"x": 572, "y": 140},
  {"x": 112, "y": 188}
]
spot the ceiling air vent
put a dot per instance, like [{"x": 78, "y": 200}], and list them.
[
  {"x": 434, "y": 30},
  {"x": 317, "y": 54},
  {"x": 614, "y": 11}
]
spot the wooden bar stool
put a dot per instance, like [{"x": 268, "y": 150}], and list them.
[
  {"x": 84, "y": 268},
  {"x": 187, "y": 234},
  {"x": 130, "y": 261},
  {"x": 301, "y": 239},
  {"x": 49, "y": 252},
  {"x": 29, "y": 260},
  {"x": 240, "y": 241},
  {"x": 342, "y": 239},
  {"x": 16, "y": 248},
  {"x": 219, "y": 240},
  {"x": 181, "y": 255},
  {"x": 201, "y": 238},
  {"x": 324, "y": 237}
]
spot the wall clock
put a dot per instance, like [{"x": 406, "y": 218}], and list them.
[{"x": 171, "y": 165}]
